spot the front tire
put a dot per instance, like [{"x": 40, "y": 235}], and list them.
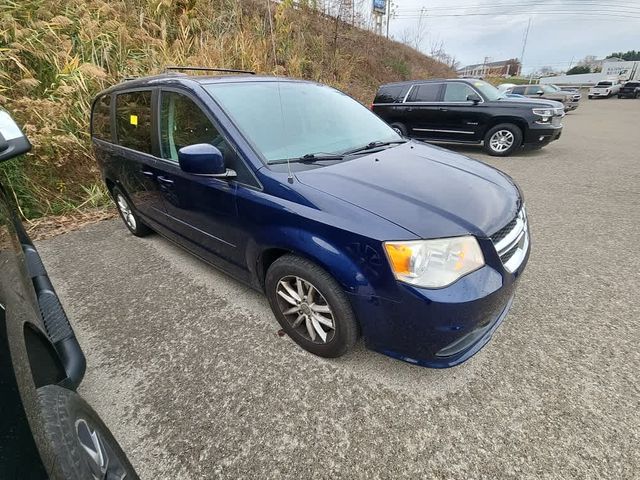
[
  {"x": 82, "y": 445},
  {"x": 399, "y": 128},
  {"x": 311, "y": 306},
  {"x": 503, "y": 139},
  {"x": 128, "y": 214}
]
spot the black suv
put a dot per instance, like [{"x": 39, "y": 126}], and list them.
[
  {"x": 468, "y": 111},
  {"x": 630, "y": 90}
]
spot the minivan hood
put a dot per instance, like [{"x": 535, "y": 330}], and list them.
[{"x": 427, "y": 190}]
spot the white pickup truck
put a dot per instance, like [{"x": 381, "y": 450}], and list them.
[{"x": 605, "y": 89}]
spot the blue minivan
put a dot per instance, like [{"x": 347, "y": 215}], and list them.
[{"x": 301, "y": 192}]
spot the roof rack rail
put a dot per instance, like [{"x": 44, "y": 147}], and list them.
[
  {"x": 207, "y": 69},
  {"x": 128, "y": 78}
]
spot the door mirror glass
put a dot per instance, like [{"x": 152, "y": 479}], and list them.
[
  {"x": 203, "y": 159},
  {"x": 539, "y": 92},
  {"x": 473, "y": 97},
  {"x": 12, "y": 141}
]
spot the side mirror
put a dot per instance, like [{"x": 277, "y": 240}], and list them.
[
  {"x": 12, "y": 141},
  {"x": 203, "y": 159},
  {"x": 473, "y": 97},
  {"x": 539, "y": 92}
]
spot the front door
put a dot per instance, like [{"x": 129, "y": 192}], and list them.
[
  {"x": 460, "y": 119},
  {"x": 202, "y": 209}
]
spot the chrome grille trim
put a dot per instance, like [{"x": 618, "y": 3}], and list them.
[{"x": 513, "y": 247}]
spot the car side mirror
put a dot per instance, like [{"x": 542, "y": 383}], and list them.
[
  {"x": 539, "y": 92},
  {"x": 12, "y": 141},
  {"x": 473, "y": 97},
  {"x": 203, "y": 159}
]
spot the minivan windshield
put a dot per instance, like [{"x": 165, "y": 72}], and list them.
[
  {"x": 289, "y": 120},
  {"x": 490, "y": 92}
]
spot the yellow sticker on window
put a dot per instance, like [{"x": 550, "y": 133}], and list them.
[{"x": 133, "y": 119}]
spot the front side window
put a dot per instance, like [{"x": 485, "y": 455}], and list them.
[
  {"x": 183, "y": 123},
  {"x": 101, "y": 127},
  {"x": 286, "y": 120},
  {"x": 533, "y": 89},
  {"x": 428, "y": 92},
  {"x": 458, "y": 92},
  {"x": 133, "y": 120}
]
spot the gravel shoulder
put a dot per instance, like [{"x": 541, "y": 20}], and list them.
[{"x": 185, "y": 366}]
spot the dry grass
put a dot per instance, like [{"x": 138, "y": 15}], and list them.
[{"x": 55, "y": 55}]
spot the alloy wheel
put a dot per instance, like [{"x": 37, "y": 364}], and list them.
[
  {"x": 501, "y": 141},
  {"x": 102, "y": 462},
  {"x": 126, "y": 212},
  {"x": 305, "y": 309}
]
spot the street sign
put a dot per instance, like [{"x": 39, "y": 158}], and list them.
[{"x": 380, "y": 6}]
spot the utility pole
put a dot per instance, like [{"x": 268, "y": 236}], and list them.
[
  {"x": 524, "y": 45},
  {"x": 388, "y": 15}
]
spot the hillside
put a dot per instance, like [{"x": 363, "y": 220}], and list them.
[{"x": 56, "y": 54}]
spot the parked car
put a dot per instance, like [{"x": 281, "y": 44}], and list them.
[
  {"x": 572, "y": 90},
  {"x": 630, "y": 90},
  {"x": 48, "y": 430},
  {"x": 570, "y": 100},
  {"x": 299, "y": 191},
  {"x": 470, "y": 112},
  {"x": 605, "y": 89}
]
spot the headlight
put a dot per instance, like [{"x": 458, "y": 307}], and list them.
[
  {"x": 543, "y": 112},
  {"x": 434, "y": 263}
]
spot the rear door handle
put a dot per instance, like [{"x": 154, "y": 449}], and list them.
[
  {"x": 147, "y": 173},
  {"x": 442, "y": 109},
  {"x": 164, "y": 180}
]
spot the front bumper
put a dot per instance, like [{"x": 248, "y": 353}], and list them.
[
  {"x": 440, "y": 328},
  {"x": 540, "y": 135}
]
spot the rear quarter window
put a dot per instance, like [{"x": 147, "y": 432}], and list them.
[
  {"x": 391, "y": 94},
  {"x": 101, "y": 118},
  {"x": 133, "y": 120}
]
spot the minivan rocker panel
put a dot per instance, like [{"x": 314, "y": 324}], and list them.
[{"x": 312, "y": 227}]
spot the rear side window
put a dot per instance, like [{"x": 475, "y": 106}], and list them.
[
  {"x": 458, "y": 92},
  {"x": 101, "y": 127},
  {"x": 391, "y": 94},
  {"x": 518, "y": 90},
  {"x": 133, "y": 120},
  {"x": 428, "y": 92}
]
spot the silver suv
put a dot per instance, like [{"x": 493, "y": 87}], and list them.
[{"x": 570, "y": 100}]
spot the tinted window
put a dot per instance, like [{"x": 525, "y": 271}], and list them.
[
  {"x": 284, "y": 119},
  {"x": 458, "y": 92},
  {"x": 183, "y": 123},
  {"x": 632, "y": 84},
  {"x": 391, "y": 94},
  {"x": 133, "y": 120},
  {"x": 427, "y": 92},
  {"x": 518, "y": 90},
  {"x": 533, "y": 89},
  {"x": 102, "y": 118}
]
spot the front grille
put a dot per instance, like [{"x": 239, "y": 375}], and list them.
[{"x": 512, "y": 241}]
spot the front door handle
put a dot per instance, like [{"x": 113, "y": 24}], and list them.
[
  {"x": 442, "y": 109},
  {"x": 164, "y": 180}
]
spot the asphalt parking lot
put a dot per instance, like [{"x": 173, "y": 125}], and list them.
[{"x": 185, "y": 366}]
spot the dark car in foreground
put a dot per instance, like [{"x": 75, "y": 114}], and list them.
[
  {"x": 630, "y": 90},
  {"x": 301, "y": 192},
  {"x": 468, "y": 112},
  {"x": 46, "y": 429}
]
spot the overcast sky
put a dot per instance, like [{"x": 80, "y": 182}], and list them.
[{"x": 555, "y": 38}]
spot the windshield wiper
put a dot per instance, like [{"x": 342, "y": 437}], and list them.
[
  {"x": 372, "y": 145},
  {"x": 309, "y": 158}
]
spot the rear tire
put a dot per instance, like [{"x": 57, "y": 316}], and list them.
[
  {"x": 82, "y": 445},
  {"x": 311, "y": 306},
  {"x": 399, "y": 128},
  {"x": 503, "y": 139},
  {"x": 128, "y": 214}
]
